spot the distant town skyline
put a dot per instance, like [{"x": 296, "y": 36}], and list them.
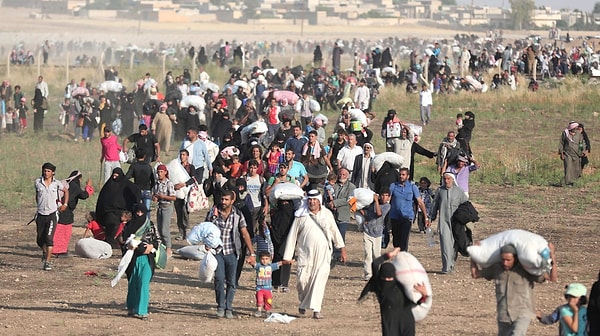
[{"x": 583, "y": 5}]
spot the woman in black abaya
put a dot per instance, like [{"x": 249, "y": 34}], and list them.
[
  {"x": 117, "y": 195},
  {"x": 395, "y": 307}
]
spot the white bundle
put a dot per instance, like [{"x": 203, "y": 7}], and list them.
[
  {"x": 196, "y": 101},
  {"x": 208, "y": 266},
  {"x": 532, "y": 250},
  {"x": 364, "y": 197},
  {"x": 396, "y": 160},
  {"x": 410, "y": 272},
  {"x": 110, "y": 86},
  {"x": 126, "y": 259},
  {"x": 285, "y": 191}
]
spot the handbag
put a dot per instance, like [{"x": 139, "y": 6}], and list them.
[
  {"x": 197, "y": 199},
  {"x": 80, "y": 122},
  {"x": 161, "y": 257}
]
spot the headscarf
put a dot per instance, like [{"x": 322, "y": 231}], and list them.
[
  {"x": 75, "y": 176},
  {"x": 572, "y": 125},
  {"x": 163, "y": 167},
  {"x": 451, "y": 174},
  {"x": 508, "y": 248},
  {"x": 387, "y": 270},
  {"x": 117, "y": 195}
]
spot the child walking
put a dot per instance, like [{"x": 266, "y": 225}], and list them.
[{"x": 264, "y": 283}]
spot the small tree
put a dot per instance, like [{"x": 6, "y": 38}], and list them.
[
  {"x": 521, "y": 13},
  {"x": 596, "y": 8}
]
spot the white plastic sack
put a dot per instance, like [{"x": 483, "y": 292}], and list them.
[
  {"x": 323, "y": 118},
  {"x": 416, "y": 129},
  {"x": 256, "y": 127},
  {"x": 285, "y": 191},
  {"x": 364, "y": 197},
  {"x": 314, "y": 106},
  {"x": 194, "y": 252},
  {"x": 208, "y": 266},
  {"x": 410, "y": 272},
  {"x": 206, "y": 233},
  {"x": 357, "y": 114},
  {"x": 110, "y": 86},
  {"x": 93, "y": 248},
  {"x": 396, "y": 160},
  {"x": 196, "y": 101},
  {"x": 532, "y": 250},
  {"x": 177, "y": 174}
]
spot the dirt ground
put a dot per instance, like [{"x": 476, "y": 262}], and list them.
[{"x": 65, "y": 301}]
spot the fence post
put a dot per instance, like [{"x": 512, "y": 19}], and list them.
[
  {"x": 164, "y": 61},
  {"x": 39, "y": 63},
  {"x": 131, "y": 58},
  {"x": 67, "y": 68}
]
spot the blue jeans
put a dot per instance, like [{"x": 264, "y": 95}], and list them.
[
  {"x": 225, "y": 274},
  {"x": 147, "y": 200}
]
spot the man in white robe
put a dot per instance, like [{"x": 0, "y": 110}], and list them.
[{"x": 311, "y": 236}]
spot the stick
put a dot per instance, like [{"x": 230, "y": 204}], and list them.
[{"x": 32, "y": 220}]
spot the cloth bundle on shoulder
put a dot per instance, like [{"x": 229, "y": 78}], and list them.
[
  {"x": 112, "y": 86},
  {"x": 206, "y": 233},
  {"x": 177, "y": 174},
  {"x": 532, "y": 250},
  {"x": 410, "y": 272},
  {"x": 93, "y": 248},
  {"x": 361, "y": 199},
  {"x": 285, "y": 191},
  {"x": 394, "y": 159}
]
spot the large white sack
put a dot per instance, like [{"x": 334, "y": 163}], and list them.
[
  {"x": 285, "y": 191},
  {"x": 396, "y": 160},
  {"x": 314, "y": 106},
  {"x": 532, "y": 250},
  {"x": 177, "y": 174},
  {"x": 208, "y": 266},
  {"x": 416, "y": 129},
  {"x": 194, "y": 252},
  {"x": 357, "y": 114},
  {"x": 323, "y": 118},
  {"x": 256, "y": 127},
  {"x": 197, "y": 101},
  {"x": 410, "y": 272},
  {"x": 110, "y": 86},
  {"x": 206, "y": 233},
  {"x": 93, "y": 248},
  {"x": 364, "y": 197}
]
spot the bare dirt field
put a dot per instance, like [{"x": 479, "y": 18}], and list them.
[{"x": 65, "y": 301}]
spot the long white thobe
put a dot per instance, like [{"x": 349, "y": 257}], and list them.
[{"x": 311, "y": 239}]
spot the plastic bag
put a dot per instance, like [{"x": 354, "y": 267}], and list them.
[{"x": 208, "y": 266}]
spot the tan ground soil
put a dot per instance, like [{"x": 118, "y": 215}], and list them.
[{"x": 65, "y": 301}]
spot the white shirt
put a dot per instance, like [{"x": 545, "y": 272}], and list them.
[
  {"x": 347, "y": 155},
  {"x": 426, "y": 99},
  {"x": 361, "y": 97}
]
